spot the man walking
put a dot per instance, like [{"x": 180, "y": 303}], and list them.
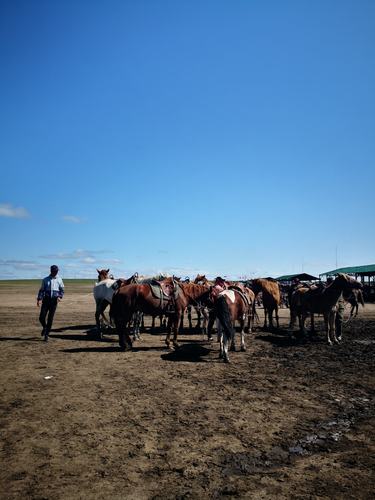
[{"x": 50, "y": 293}]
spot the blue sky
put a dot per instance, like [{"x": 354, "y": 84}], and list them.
[{"x": 222, "y": 137}]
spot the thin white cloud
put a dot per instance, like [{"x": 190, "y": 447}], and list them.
[
  {"x": 7, "y": 210},
  {"x": 75, "y": 255},
  {"x": 73, "y": 218}
]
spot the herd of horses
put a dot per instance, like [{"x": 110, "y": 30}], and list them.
[{"x": 218, "y": 301}]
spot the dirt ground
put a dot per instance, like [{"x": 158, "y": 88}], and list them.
[{"x": 79, "y": 419}]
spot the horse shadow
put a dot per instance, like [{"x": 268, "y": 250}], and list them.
[
  {"x": 87, "y": 328},
  {"x": 104, "y": 349},
  {"x": 189, "y": 352},
  {"x": 20, "y": 339},
  {"x": 113, "y": 348},
  {"x": 287, "y": 338}
]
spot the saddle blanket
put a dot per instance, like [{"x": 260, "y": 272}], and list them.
[{"x": 230, "y": 294}]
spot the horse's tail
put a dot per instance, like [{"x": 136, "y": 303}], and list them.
[
  {"x": 254, "y": 311},
  {"x": 360, "y": 298},
  {"x": 223, "y": 314}
]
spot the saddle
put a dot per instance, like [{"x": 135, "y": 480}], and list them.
[
  {"x": 167, "y": 293},
  {"x": 241, "y": 291}
]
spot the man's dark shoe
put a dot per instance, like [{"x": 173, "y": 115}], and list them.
[{"x": 43, "y": 332}]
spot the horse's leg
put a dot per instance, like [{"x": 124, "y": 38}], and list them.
[
  {"x": 97, "y": 315},
  {"x": 211, "y": 321},
  {"x": 277, "y": 317},
  {"x": 293, "y": 317},
  {"x": 175, "y": 324},
  {"x": 168, "y": 336},
  {"x": 136, "y": 325},
  {"x": 199, "y": 318},
  {"x": 303, "y": 319},
  {"x": 265, "y": 318},
  {"x": 232, "y": 346},
  {"x": 270, "y": 319},
  {"x": 242, "y": 334},
  {"x": 220, "y": 338},
  {"x": 120, "y": 328},
  {"x": 327, "y": 324},
  {"x": 189, "y": 317},
  {"x": 224, "y": 316},
  {"x": 250, "y": 320},
  {"x": 312, "y": 324},
  {"x": 226, "y": 339},
  {"x": 205, "y": 321},
  {"x": 105, "y": 305}
]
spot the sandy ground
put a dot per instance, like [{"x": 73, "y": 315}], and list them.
[{"x": 80, "y": 419}]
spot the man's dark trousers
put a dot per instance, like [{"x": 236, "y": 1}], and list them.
[{"x": 49, "y": 305}]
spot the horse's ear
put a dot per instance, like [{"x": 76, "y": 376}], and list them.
[
  {"x": 107, "y": 270},
  {"x": 98, "y": 271}
]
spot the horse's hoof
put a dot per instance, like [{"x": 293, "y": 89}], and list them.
[
  {"x": 221, "y": 355},
  {"x": 232, "y": 348},
  {"x": 210, "y": 339},
  {"x": 122, "y": 348},
  {"x": 226, "y": 360},
  {"x": 243, "y": 348}
]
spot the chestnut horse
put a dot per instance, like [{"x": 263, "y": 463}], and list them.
[
  {"x": 140, "y": 297},
  {"x": 270, "y": 296}
]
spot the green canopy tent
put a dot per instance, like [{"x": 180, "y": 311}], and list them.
[{"x": 300, "y": 276}]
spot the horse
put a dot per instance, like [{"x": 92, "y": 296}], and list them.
[
  {"x": 230, "y": 305},
  {"x": 171, "y": 299},
  {"x": 354, "y": 298},
  {"x": 103, "y": 292},
  {"x": 200, "y": 309},
  {"x": 270, "y": 296},
  {"x": 321, "y": 300}
]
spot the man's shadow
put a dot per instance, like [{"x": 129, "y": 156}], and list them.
[{"x": 189, "y": 352}]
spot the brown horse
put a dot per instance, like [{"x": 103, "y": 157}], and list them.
[
  {"x": 172, "y": 300},
  {"x": 321, "y": 300},
  {"x": 271, "y": 298}
]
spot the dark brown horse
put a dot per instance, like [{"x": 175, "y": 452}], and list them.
[
  {"x": 321, "y": 300},
  {"x": 354, "y": 298},
  {"x": 103, "y": 292},
  {"x": 200, "y": 309},
  {"x": 172, "y": 300}
]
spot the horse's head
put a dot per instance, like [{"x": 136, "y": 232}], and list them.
[
  {"x": 200, "y": 279},
  {"x": 347, "y": 282},
  {"x": 103, "y": 274},
  {"x": 134, "y": 278}
]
